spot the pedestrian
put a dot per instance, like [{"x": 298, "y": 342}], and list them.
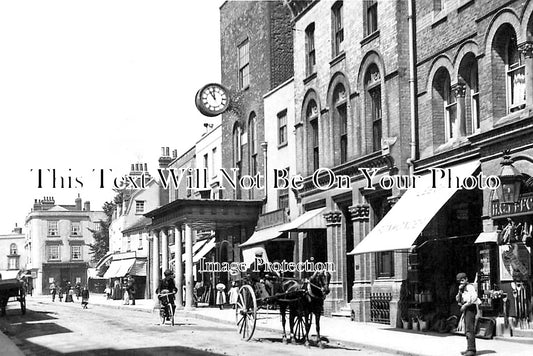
[
  {"x": 116, "y": 290},
  {"x": 131, "y": 289},
  {"x": 167, "y": 286},
  {"x": 107, "y": 291},
  {"x": 468, "y": 301},
  {"x": 53, "y": 290},
  {"x": 60, "y": 293},
  {"x": 69, "y": 293},
  {"x": 221, "y": 295},
  {"x": 84, "y": 297},
  {"x": 78, "y": 290},
  {"x": 233, "y": 294},
  {"x": 125, "y": 291}
]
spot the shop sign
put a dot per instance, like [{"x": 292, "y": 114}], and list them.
[
  {"x": 514, "y": 262},
  {"x": 524, "y": 205}
]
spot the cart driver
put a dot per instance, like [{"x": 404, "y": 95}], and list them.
[{"x": 259, "y": 276}]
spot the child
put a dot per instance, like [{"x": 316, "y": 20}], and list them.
[
  {"x": 108, "y": 291},
  {"x": 84, "y": 297},
  {"x": 221, "y": 295},
  {"x": 233, "y": 294}
]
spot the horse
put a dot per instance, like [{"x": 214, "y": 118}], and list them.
[
  {"x": 316, "y": 292},
  {"x": 303, "y": 300}
]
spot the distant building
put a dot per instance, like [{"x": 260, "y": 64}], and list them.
[
  {"x": 12, "y": 253},
  {"x": 57, "y": 241}
]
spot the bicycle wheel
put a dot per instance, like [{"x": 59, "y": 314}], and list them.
[
  {"x": 162, "y": 315},
  {"x": 171, "y": 313}
]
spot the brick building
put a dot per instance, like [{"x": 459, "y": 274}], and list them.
[
  {"x": 256, "y": 50},
  {"x": 352, "y": 112}
]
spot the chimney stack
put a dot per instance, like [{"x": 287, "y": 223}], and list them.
[
  {"x": 78, "y": 203},
  {"x": 87, "y": 206},
  {"x": 165, "y": 159},
  {"x": 17, "y": 230}
]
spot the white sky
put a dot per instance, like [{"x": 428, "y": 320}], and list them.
[{"x": 97, "y": 84}]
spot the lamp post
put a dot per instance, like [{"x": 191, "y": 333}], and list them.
[{"x": 511, "y": 179}]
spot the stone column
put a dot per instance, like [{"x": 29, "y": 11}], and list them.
[
  {"x": 155, "y": 261},
  {"x": 335, "y": 245},
  {"x": 179, "y": 266},
  {"x": 188, "y": 268},
  {"x": 362, "y": 285},
  {"x": 459, "y": 90},
  {"x": 527, "y": 49},
  {"x": 164, "y": 249}
]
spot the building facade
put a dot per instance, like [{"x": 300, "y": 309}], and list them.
[
  {"x": 57, "y": 239},
  {"x": 13, "y": 254}
]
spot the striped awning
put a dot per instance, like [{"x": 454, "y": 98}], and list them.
[{"x": 119, "y": 268}]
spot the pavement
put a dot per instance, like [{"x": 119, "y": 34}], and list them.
[{"x": 340, "y": 331}]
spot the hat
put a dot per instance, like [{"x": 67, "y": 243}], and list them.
[
  {"x": 461, "y": 276},
  {"x": 168, "y": 272}
]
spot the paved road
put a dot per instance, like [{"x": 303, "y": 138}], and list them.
[{"x": 64, "y": 328}]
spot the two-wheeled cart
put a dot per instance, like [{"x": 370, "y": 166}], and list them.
[{"x": 12, "y": 290}]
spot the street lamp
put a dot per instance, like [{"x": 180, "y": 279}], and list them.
[{"x": 511, "y": 179}]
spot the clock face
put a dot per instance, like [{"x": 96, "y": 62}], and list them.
[{"x": 212, "y": 99}]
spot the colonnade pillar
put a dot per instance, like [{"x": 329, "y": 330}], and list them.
[
  {"x": 178, "y": 262},
  {"x": 188, "y": 268}
]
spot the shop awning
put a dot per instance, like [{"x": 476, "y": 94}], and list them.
[
  {"x": 195, "y": 248},
  {"x": 264, "y": 235},
  {"x": 204, "y": 251},
  {"x": 9, "y": 274},
  {"x": 119, "y": 268},
  {"x": 139, "y": 268},
  {"x": 309, "y": 220},
  {"x": 401, "y": 226},
  {"x": 487, "y": 237}
]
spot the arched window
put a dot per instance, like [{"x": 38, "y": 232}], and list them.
[
  {"x": 340, "y": 119},
  {"x": 312, "y": 136},
  {"x": 237, "y": 154},
  {"x": 508, "y": 73},
  {"x": 474, "y": 97},
  {"x": 468, "y": 78},
  {"x": 374, "y": 112},
  {"x": 516, "y": 79},
  {"x": 13, "y": 249},
  {"x": 450, "y": 109}
]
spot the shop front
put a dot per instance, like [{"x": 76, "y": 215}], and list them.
[{"x": 505, "y": 275}]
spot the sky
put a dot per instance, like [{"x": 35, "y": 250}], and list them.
[{"x": 97, "y": 85}]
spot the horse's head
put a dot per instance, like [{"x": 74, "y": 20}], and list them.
[{"x": 319, "y": 283}]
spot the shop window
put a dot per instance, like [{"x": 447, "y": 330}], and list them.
[
  {"x": 310, "y": 56},
  {"x": 338, "y": 28},
  {"x": 385, "y": 264}
]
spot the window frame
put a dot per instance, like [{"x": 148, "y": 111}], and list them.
[
  {"x": 282, "y": 128},
  {"x": 450, "y": 109},
  {"x": 512, "y": 70},
  {"x": 283, "y": 195},
  {"x": 243, "y": 56},
  {"x": 49, "y": 252},
  {"x": 337, "y": 11},
  {"x": 72, "y": 248},
  {"x": 310, "y": 50},
  {"x": 51, "y": 230},
  {"x": 73, "y": 224},
  {"x": 141, "y": 203},
  {"x": 252, "y": 132},
  {"x": 474, "y": 98},
  {"x": 13, "y": 262},
  {"x": 13, "y": 249},
  {"x": 371, "y": 12}
]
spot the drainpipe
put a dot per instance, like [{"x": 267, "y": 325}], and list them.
[
  {"x": 412, "y": 85},
  {"x": 264, "y": 147}
]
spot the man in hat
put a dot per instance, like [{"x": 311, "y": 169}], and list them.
[
  {"x": 168, "y": 284},
  {"x": 467, "y": 299}
]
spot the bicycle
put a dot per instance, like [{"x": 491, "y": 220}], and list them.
[{"x": 166, "y": 312}]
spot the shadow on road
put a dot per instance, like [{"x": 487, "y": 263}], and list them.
[
  {"x": 325, "y": 343},
  {"x": 174, "y": 350}
]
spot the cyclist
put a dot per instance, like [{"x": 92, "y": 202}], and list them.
[{"x": 168, "y": 284}]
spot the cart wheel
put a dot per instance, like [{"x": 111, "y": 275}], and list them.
[
  {"x": 301, "y": 325},
  {"x": 246, "y": 312}
]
